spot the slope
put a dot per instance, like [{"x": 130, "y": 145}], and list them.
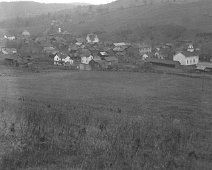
[
  {"x": 159, "y": 20},
  {"x": 161, "y": 17},
  {"x": 29, "y": 8}
]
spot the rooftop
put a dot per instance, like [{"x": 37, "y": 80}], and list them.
[
  {"x": 111, "y": 59},
  {"x": 121, "y": 44},
  {"x": 189, "y": 54},
  {"x": 205, "y": 64},
  {"x": 103, "y": 53}
]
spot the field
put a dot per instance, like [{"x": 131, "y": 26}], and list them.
[{"x": 123, "y": 104}]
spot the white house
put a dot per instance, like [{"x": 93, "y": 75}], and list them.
[
  {"x": 92, "y": 38},
  {"x": 57, "y": 59},
  {"x": 186, "y": 58},
  {"x": 59, "y": 30},
  {"x": 119, "y": 47},
  {"x": 25, "y": 33},
  {"x": 144, "y": 57},
  {"x": 4, "y": 51},
  {"x": 144, "y": 49},
  {"x": 86, "y": 60},
  {"x": 9, "y": 37},
  {"x": 121, "y": 44},
  {"x": 68, "y": 60},
  {"x": 8, "y": 50},
  {"x": 78, "y": 43}
]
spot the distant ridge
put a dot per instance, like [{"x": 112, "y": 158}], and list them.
[
  {"x": 132, "y": 20},
  {"x": 14, "y": 9}
]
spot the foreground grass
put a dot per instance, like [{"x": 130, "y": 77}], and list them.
[
  {"x": 63, "y": 136},
  {"x": 89, "y": 120}
]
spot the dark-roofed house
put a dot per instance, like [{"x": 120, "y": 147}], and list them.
[
  {"x": 164, "y": 53},
  {"x": 103, "y": 54},
  {"x": 98, "y": 64},
  {"x": 66, "y": 33},
  {"x": 111, "y": 60},
  {"x": 50, "y": 50},
  {"x": 80, "y": 40},
  {"x": 186, "y": 58},
  {"x": 96, "y": 58},
  {"x": 10, "y": 59},
  {"x": 204, "y": 66}
]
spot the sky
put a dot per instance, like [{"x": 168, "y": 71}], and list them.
[{"x": 67, "y": 1}]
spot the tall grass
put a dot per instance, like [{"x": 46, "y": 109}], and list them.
[{"x": 68, "y": 138}]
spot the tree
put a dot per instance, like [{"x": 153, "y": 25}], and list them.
[
  {"x": 145, "y": 2},
  {"x": 123, "y": 34},
  {"x": 26, "y": 23},
  {"x": 90, "y": 8}
]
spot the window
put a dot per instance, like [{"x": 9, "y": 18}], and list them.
[
  {"x": 190, "y": 61},
  {"x": 187, "y": 61},
  {"x": 193, "y": 60}
]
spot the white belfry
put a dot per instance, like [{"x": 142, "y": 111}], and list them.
[{"x": 56, "y": 60}]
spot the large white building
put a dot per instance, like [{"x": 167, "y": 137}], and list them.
[
  {"x": 186, "y": 58},
  {"x": 86, "y": 60}
]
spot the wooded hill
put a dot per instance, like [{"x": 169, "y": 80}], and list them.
[
  {"x": 10, "y": 10},
  {"x": 132, "y": 20}
]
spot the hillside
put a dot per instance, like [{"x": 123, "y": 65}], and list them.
[
  {"x": 138, "y": 20},
  {"x": 29, "y": 8},
  {"x": 132, "y": 20},
  {"x": 127, "y": 3}
]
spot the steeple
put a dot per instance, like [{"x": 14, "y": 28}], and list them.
[{"x": 190, "y": 48}]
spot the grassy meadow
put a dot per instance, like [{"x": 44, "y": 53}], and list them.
[{"x": 105, "y": 120}]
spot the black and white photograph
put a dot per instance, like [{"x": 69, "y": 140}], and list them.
[{"x": 105, "y": 84}]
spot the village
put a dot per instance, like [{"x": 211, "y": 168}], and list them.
[
  {"x": 60, "y": 48},
  {"x": 118, "y": 86}
]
